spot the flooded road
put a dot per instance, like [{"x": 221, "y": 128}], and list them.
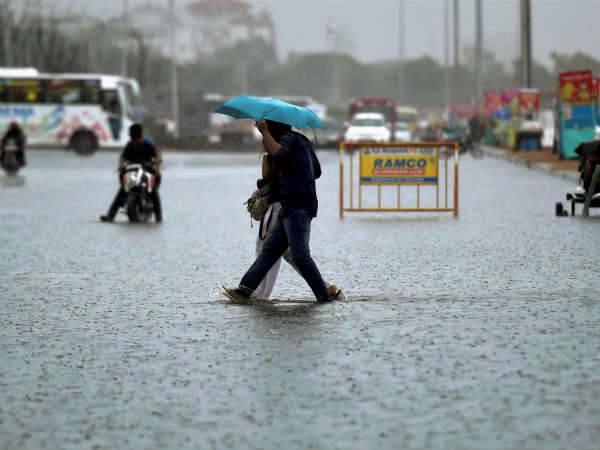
[{"x": 478, "y": 332}]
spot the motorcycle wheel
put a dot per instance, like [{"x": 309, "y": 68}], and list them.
[
  {"x": 476, "y": 151},
  {"x": 135, "y": 210},
  {"x": 11, "y": 165}
]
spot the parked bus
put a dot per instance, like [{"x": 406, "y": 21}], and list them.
[{"x": 80, "y": 111}]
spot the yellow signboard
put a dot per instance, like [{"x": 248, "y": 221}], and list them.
[{"x": 399, "y": 166}]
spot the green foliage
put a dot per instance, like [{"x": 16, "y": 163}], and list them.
[
  {"x": 336, "y": 78},
  {"x": 576, "y": 61},
  {"x": 544, "y": 79}
]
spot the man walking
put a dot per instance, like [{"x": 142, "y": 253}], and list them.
[{"x": 298, "y": 169}]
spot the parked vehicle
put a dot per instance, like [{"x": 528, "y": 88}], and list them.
[
  {"x": 10, "y": 161},
  {"x": 138, "y": 182},
  {"x": 332, "y": 135},
  {"x": 384, "y": 106},
  {"x": 402, "y": 133},
  {"x": 409, "y": 115},
  {"x": 429, "y": 134},
  {"x": 368, "y": 127}
]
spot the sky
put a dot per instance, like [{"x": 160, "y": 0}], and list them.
[
  {"x": 371, "y": 27},
  {"x": 557, "y": 25}
]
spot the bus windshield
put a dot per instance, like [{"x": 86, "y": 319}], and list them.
[
  {"x": 131, "y": 97},
  {"x": 407, "y": 117}
]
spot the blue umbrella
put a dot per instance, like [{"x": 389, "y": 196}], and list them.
[{"x": 246, "y": 107}]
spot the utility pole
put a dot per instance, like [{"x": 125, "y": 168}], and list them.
[
  {"x": 174, "y": 87},
  {"x": 447, "y": 93},
  {"x": 456, "y": 36},
  {"x": 334, "y": 36},
  {"x": 5, "y": 21},
  {"x": 478, "y": 55},
  {"x": 124, "y": 55},
  {"x": 526, "y": 78},
  {"x": 401, "y": 35}
]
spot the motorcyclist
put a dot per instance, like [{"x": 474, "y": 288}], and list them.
[
  {"x": 476, "y": 128},
  {"x": 15, "y": 133},
  {"x": 138, "y": 150}
]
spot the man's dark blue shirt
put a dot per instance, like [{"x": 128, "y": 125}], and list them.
[
  {"x": 298, "y": 168},
  {"x": 135, "y": 152}
]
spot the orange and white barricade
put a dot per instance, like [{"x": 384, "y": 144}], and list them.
[{"x": 408, "y": 176}]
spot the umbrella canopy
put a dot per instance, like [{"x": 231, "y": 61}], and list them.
[{"x": 246, "y": 107}]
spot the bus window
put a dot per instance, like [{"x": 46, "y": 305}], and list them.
[
  {"x": 71, "y": 96},
  {"x": 53, "y": 96},
  {"x": 16, "y": 95},
  {"x": 21, "y": 91},
  {"x": 63, "y": 90},
  {"x": 20, "y": 95},
  {"x": 91, "y": 95},
  {"x": 128, "y": 96}
]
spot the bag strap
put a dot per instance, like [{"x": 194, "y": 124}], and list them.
[{"x": 262, "y": 222}]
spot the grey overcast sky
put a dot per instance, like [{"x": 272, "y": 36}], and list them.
[{"x": 371, "y": 26}]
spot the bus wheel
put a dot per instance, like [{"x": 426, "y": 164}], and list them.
[{"x": 84, "y": 143}]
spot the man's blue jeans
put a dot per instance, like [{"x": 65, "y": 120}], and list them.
[{"x": 292, "y": 231}]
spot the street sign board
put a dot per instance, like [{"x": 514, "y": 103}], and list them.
[{"x": 398, "y": 166}]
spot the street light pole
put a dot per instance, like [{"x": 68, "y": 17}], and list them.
[
  {"x": 526, "y": 78},
  {"x": 456, "y": 36},
  {"x": 447, "y": 94},
  {"x": 401, "y": 26},
  {"x": 174, "y": 86},
  {"x": 478, "y": 55},
  {"x": 124, "y": 55}
]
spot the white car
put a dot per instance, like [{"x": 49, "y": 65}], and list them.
[
  {"x": 367, "y": 127},
  {"x": 402, "y": 132}
]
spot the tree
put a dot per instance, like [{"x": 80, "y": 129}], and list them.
[
  {"x": 495, "y": 76},
  {"x": 577, "y": 61},
  {"x": 543, "y": 78}
]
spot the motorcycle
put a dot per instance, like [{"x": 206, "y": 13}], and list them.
[
  {"x": 466, "y": 144},
  {"x": 10, "y": 161},
  {"x": 138, "y": 182}
]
